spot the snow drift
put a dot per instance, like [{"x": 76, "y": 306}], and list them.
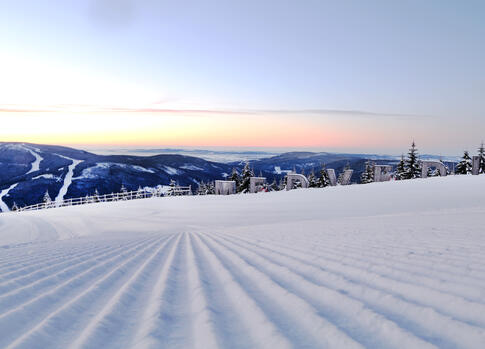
[{"x": 384, "y": 265}]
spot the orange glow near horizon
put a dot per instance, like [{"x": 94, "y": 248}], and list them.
[
  {"x": 151, "y": 129},
  {"x": 192, "y": 128}
]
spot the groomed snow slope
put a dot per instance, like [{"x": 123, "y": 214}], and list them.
[{"x": 388, "y": 265}]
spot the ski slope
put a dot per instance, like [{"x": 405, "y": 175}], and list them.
[
  {"x": 35, "y": 166},
  {"x": 3, "y": 193},
  {"x": 67, "y": 179},
  {"x": 384, "y": 265}
]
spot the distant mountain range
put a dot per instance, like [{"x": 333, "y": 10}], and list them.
[{"x": 27, "y": 170}]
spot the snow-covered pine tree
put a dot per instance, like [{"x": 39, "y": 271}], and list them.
[
  {"x": 210, "y": 188},
  {"x": 47, "y": 199},
  {"x": 89, "y": 199},
  {"x": 323, "y": 180},
  {"x": 139, "y": 192},
  {"x": 274, "y": 186},
  {"x": 123, "y": 192},
  {"x": 282, "y": 183},
  {"x": 368, "y": 174},
  {"x": 412, "y": 165},
  {"x": 312, "y": 180},
  {"x": 400, "y": 170},
  {"x": 481, "y": 154},
  {"x": 465, "y": 165},
  {"x": 246, "y": 175},
  {"x": 202, "y": 188},
  {"x": 236, "y": 178}
]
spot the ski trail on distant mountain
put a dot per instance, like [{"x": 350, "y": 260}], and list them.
[
  {"x": 67, "y": 178},
  {"x": 35, "y": 166},
  {"x": 4, "y": 192}
]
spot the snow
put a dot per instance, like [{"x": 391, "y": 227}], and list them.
[
  {"x": 90, "y": 172},
  {"x": 191, "y": 167},
  {"x": 382, "y": 265},
  {"x": 4, "y": 193},
  {"x": 278, "y": 170},
  {"x": 141, "y": 169},
  {"x": 170, "y": 170},
  {"x": 35, "y": 166},
  {"x": 67, "y": 179},
  {"x": 46, "y": 176}
]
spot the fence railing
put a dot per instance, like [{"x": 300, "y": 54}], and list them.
[{"x": 122, "y": 196}]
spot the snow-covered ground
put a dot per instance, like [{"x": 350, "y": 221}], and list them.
[
  {"x": 3, "y": 193},
  {"x": 35, "y": 166},
  {"x": 67, "y": 179},
  {"x": 385, "y": 265}
]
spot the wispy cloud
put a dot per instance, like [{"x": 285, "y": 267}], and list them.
[{"x": 66, "y": 108}]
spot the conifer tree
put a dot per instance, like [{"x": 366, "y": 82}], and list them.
[
  {"x": 323, "y": 180},
  {"x": 123, "y": 192},
  {"x": 368, "y": 174},
  {"x": 246, "y": 175},
  {"x": 236, "y": 178},
  {"x": 210, "y": 188},
  {"x": 412, "y": 165},
  {"x": 282, "y": 183},
  {"x": 47, "y": 199},
  {"x": 139, "y": 192},
  {"x": 312, "y": 180},
  {"x": 465, "y": 165},
  {"x": 481, "y": 154},
  {"x": 274, "y": 186},
  {"x": 202, "y": 188},
  {"x": 400, "y": 170}
]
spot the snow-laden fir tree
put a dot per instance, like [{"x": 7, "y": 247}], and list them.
[
  {"x": 481, "y": 154},
  {"x": 89, "y": 199},
  {"x": 246, "y": 175},
  {"x": 312, "y": 180},
  {"x": 274, "y": 186},
  {"x": 282, "y": 183},
  {"x": 465, "y": 165},
  {"x": 400, "y": 170},
  {"x": 412, "y": 165},
  {"x": 323, "y": 180},
  {"x": 202, "y": 189},
  {"x": 368, "y": 175},
  {"x": 47, "y": 199},
  {"x": 210, "y": 188},
  {"x": 235, "y": 177},
  {"x": 123, "y": 192},
  {"x": 139, "y": 192}
]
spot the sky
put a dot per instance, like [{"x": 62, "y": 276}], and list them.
[{"x": 367, "y": 76}]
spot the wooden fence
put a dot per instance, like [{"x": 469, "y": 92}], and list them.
[{"x": 123, "y": 196}]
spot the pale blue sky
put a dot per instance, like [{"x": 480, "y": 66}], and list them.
[{"x": 420, "y": 58}]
